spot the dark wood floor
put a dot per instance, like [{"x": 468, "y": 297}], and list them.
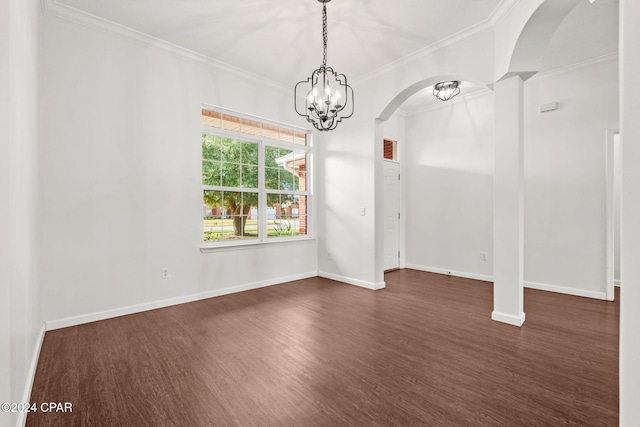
[{"x": 320, "y": 353}]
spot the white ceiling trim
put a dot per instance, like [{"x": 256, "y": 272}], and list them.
[
  {"x": 55, "y": 8},
  {"x": 465, "y": 34},
  {"x": 613, "y": 56},
  {"x": 609, "y": 57},
  {"x": 501, "y": 11},
  {"x": 496, "y": 16}
]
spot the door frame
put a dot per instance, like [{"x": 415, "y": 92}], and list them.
[
  {"x": 609, "y": 214},
  {"x": 400, "y": 212}
]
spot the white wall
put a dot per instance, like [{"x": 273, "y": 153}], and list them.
[
  {"x": 345, "y": 185},
  {"x": 120, "y": 184},
  {"x": 20, "y": 309},
  {"x": 565, "y": 176},
  {"x": 351, "y": 167},
  {"x": 450, "y": 174},
  {"x": 5, "y": 213},
  {"x": 449, "y": 186}
]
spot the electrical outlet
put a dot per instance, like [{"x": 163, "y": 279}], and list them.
[
  {"x": 483, "y": 256},
  {"x": 329, "y": 256},
  {"x": 165, "y": 273},
  {"x": 362, "y": 212}
]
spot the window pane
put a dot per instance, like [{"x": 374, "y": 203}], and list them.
[
  {"x": 250, "y": 127},
  {"x": 270, "y": 156},
  {"x": 227, "y": 222},
  {"x": 286, "y": 215},
  {"x": 231, "y": 123},
  {"x": 298, "y": 166},
  {"x": 285, "y": 166},
  {"x": 250, "y": 153},
  {"x": 230, "y": 150},
  {"x": 241, "y": 223},
  {"x": 270, "y": 131},
  {"x": 249, "y": 176},
  {"x": 301, "y": 224},
  {"x": 271, "y": 178},
  {"x": 286, "y": 135},
  {"x": 230, "y": 215},
  {"x": 250, "y": 219},
  {"x": 210, "y": 173},
  {"x": 302, "y": 174},
  {"x": 211, "y": 118},
  {"x": 230, "y": 175},
  {"x": 300, "y": 138},
  {"x": 210, "y": 147},
  {"x": 285, "y": 155},
  {"x": 272, "y": 200},
  {"x": 389, "y": 149},
  {"x": 212, "y": 218}
]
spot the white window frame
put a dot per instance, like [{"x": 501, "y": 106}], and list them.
[{"x": 262, "y": 142}]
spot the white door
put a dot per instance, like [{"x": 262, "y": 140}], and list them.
[{"x": 391, "y": 215}]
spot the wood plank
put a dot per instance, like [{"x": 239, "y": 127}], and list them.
[{"x": 316, "y": 352}]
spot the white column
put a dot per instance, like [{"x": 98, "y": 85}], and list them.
[
  {"x": 508, "y": 202},
  {"x": 630, "y": 229}
]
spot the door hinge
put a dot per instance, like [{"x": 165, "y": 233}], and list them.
[
  {"x": 398, "y": 215},
  {"x": 398, "y": 177},
  {"x": 398, "y": 254}
]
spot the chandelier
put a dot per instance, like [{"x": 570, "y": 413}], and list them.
[
  {"x": 325, "y": 98},
  {"x": 444, "y": 91}
]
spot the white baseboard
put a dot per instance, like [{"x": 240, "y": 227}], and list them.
[
  {"x": 31, "y": 375},
  {"x": 351, "y": 281},
  {"x": 531, "y": 285},
  {"x": 616, "y": 283},
  {"x": 138, "y": 308},
  {"x": 568, "y": 291},
  {"x": 466, "y": 275},
  {"x": 508, "y": 318}
]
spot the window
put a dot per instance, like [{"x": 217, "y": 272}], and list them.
[
  {"x": 390, "y": 149},
  {"x": 254, "y": 180}
]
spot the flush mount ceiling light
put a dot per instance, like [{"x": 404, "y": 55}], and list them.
[
  {"x": 325, "y": 98},
  {"x": 444, "y": 91}
]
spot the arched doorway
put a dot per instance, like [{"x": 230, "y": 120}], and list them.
[{"x": 389, "y": 109}]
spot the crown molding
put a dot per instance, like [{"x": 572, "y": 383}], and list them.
[
  {"x": 612, "y": 56},
  {"x": 609, "y": 57},
  {"x": 55, "y": 8},
  {"x": 503, "y": 8},
  {"x": 501, "y": 11},
  {"x": 462, "y": 35}
]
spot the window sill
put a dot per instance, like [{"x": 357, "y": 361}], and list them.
[{"x": 216, "y": 247}]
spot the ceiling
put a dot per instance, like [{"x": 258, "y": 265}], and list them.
[{"x": 281, "y": 40}]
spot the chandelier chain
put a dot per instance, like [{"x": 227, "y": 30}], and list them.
[
  {"x": 324, "y": 35},
  {"x": 325, "y": 98}
]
